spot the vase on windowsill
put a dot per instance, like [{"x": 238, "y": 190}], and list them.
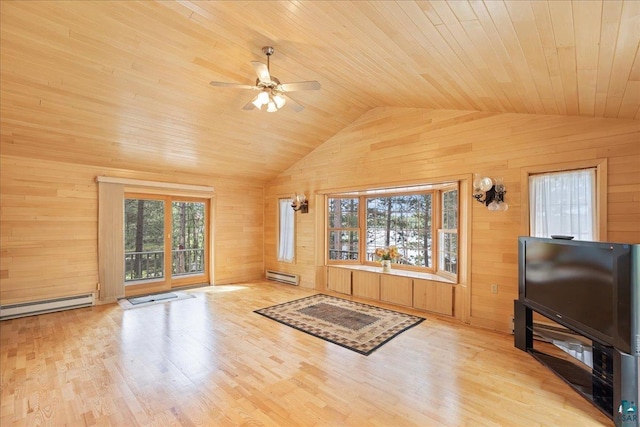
[{"x": 386, "y": 265}]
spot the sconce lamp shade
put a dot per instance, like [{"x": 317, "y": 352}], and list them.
[
  {"x": 485, "y": 184},
  {"x": 492, "y": 196},
  {"x": 300, "y": 203}
]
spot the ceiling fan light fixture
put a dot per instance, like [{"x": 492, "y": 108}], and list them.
[
  {"x": 279, "y": 100},
  {"x": 271, "y": 107},
  {"x": 261, "y": 99}
]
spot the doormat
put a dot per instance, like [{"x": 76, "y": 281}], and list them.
[
  {"x": 359, "y": 327},
  {"x": 146, "y": 300}
]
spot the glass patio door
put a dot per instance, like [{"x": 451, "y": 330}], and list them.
[
  {"x": 188, "y": 254},
  {"x": 165, "y": 241}
]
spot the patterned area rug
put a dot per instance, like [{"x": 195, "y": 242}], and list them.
[{"x": 353, "y": 325}]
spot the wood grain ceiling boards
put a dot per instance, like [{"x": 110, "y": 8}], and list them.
[{"x": 125, "y": 84}]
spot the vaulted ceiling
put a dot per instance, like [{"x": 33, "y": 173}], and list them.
[{"x": 125, "y": 84}]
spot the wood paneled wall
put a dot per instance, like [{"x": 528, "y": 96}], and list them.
[
  {"x": 49, "y": 227},
  {"x": 389, "y": 146},
  {"x": 48, "y": 217}
]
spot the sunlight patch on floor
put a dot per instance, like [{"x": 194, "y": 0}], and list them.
[{"x": 215, "y": 289}]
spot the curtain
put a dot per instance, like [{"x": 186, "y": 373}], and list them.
[
  {"x": 286, "y": 241},
  {"x": 563, "y": 203},
  {"x": 110, "y": 238}
]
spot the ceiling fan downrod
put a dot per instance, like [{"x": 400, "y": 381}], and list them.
[{"x": 268, "y": 50}]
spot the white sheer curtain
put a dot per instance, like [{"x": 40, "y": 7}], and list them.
[
  {"x": 563, "y": 203},
  {"x": 286, "y": 241}
]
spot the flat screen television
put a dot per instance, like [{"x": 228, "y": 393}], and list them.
[{"x": 590, "y": 287}]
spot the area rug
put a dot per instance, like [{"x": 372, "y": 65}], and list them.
[
  {"x": 359, "y": 327},
  {"x": 147, "y": 300}
]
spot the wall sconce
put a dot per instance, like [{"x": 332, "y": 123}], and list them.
[
  {"x": 300, "y": 203},
  {"x": 492, "y": 195}
]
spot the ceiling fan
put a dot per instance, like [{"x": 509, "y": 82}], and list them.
[{"x": 272, "y": 94}]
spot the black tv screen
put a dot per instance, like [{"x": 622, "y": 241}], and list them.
[{"x": 582, "y": 285}]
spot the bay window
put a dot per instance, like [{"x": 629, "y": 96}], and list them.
[{"x": 408, "y": 218}]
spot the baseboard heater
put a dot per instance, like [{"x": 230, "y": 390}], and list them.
[
  {"x": 11, "y": 311},
  {"x": 290, "y": 279}
]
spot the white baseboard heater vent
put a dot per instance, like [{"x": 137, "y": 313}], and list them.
[
  {"x": 11, "y": 311},
  {"x": 290, "y": 279}
]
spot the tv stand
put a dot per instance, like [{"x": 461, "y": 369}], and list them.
[{"x": 610, "y": 384}]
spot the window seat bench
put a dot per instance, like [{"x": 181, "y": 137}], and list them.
[{"x": 422, "y": 291}]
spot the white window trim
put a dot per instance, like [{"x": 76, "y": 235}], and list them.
[
  {"x": 601, "y": 192},
  {"x": 581, "y": 222}
]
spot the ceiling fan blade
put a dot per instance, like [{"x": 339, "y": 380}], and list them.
[
  {"x": 232, "y": 85},
  {"x": 249, "y": 106},
  {"x": 291, "y": 103},
  {"x": 292, "y": 87},
  {"x": 262, "y": 71}
]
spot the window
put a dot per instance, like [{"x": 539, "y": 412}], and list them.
[
  {"x": 188, "y": 238},
  {"x": 404, "y": 217},
  {"x": 563, "y": 203},
  {"x": 143, "y": 239},
  {"x": 344, "y": 229},
  {"x": 164, "y": 240},
  {"x": 403, "y": 221},
  {"x": 286, "y": 231},
  {"x": 448, "y": 233}
]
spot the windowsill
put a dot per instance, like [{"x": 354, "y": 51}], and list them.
[{"x": 396, "y": 272}]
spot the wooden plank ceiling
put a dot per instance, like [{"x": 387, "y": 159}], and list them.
[{"x": 125, "y": 84}]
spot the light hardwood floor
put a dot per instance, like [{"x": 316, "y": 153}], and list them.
[{"x": 211, "y": 361}]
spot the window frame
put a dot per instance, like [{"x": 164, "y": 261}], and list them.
[
  {"x": 166, "y": 276},
  {"x": 329, "y": 229},
  {"x": 591, "y": 202},
  {"x": 440, "y": 270},
  {"x": 436, "y": 191},
  {"x": 601, "y": 192},
  {"x": 169, "y": 280},
  {"x": 418, "y": 268}
]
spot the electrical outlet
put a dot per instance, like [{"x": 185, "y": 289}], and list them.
[{"x": 494, "y": 288}]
